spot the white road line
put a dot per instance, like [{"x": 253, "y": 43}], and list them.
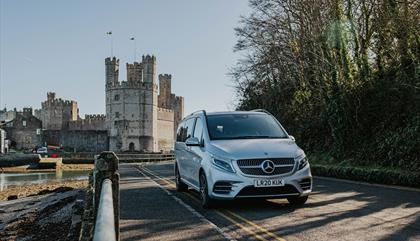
[
  {"x": 188, "y": 207},
  {"x": 369, "y": 184}
]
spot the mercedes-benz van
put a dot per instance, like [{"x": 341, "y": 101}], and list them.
[{"x": 240, "y": 154}]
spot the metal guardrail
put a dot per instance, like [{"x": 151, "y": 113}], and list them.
[
  {"x": 104, "y": 226},
  {"x": 106, "y": 197}
]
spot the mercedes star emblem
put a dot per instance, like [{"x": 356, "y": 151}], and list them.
[{"x": 267, "y": 166}]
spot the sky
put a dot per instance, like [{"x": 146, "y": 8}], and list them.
[{"x": 60, "y": 46}]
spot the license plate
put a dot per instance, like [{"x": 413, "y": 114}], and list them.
[{"x": 268, "y": 183}]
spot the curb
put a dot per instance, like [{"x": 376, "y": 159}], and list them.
[{"x": 368, "y": 184}]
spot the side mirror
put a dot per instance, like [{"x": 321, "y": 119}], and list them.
[
  {"x": 292, "y": 138},
  {"x": 192, "y": 141}
]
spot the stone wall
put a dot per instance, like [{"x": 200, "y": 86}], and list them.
[
  {"x": 134, "y": 72},
  {"x": 164, "y": 99},
  {"x": 178, "y": 108},
  {"x": 90, "y": 122},
  {"x": 78, "y": 140},
  {"x": 166, "y": 131},
  {"x": 132, "y": 116}
]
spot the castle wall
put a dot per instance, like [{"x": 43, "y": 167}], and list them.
[
  {"x": 178, "y": 108},
  {"x": 90, "y": 122},
  {"x": 164, "y": 99},
  {"x": 78, "y": 140},
  {"x": 134, "y": 72},
  {"x": 165, "y": 125}
]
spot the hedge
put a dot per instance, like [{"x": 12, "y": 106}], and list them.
[{"x": 380, "y": 176}]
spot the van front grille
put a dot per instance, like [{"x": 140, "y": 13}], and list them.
[{"x": 254, "y": 166}]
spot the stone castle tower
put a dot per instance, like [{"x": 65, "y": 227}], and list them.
[
  {"x": 133, "y": 118},
  {"x": 56, "y": 113}
]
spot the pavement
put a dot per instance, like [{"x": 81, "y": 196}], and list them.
[{"x": 151, "y": 209}]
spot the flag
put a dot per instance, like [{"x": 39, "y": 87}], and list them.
[
  {"x": 109, "y": 33},
  {"x": 132, "y": 38}
]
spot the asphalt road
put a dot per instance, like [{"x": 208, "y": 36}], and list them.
[{"x": 151, "y": 209}]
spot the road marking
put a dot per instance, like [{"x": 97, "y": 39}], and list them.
[
  {"x": 256, "y": 226},
  {"x": 241, "y": 226},
  {"x": 224, "y": 213},
  {"x": 189, "y": 208}
]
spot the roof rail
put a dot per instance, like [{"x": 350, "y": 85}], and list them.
[
  {"x": 262, "y": 110},
  {"x": 198, "y": 111}
]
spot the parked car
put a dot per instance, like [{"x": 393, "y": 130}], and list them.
[
  {"x": 42, "y": 150},
  {"x": 240, "y": 154}
]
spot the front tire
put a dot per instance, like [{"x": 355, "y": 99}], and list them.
[
  {"x": 297, "y": 201},
  {"x": 180, "y": 185},
  {"x": 206, "y": 201}
]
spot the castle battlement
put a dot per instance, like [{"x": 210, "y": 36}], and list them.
[
  {"x": 58, "y": 102},
  {"x": 112, "y": 60},
  {"x": 164, "y": 110},
  {"x": 148, "y": 58},
  {"x": 95, "y": 117},
  {"x": 165, "y": 76},
  {"x": 134, "y": 65},
  {"x": 129, "y": 84}
]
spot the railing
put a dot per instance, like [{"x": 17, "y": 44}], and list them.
[
  {"x": 102, "y": 214},
  {"x": 106, "y": 197},
  {"x": 87, "y": 158}
]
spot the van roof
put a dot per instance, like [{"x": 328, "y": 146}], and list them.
[{"x": 234, "y": 112}]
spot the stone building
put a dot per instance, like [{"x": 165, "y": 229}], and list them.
[
  {"x": 138, "y": 118},
  {"x": 24, "y": 131}
]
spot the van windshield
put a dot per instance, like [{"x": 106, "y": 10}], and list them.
[{"x": 243, "y": 126}]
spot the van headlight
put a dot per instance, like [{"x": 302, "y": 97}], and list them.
[
  {"x": 303, "y": 161},
  {"x": 224, "y": 165}
]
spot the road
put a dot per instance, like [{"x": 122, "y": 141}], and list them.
[{"x": 151, "y": 209}]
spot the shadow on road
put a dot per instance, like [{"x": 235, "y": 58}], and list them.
[{"x": 367, "y": 210}]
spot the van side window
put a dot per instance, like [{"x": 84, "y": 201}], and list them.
[
  {"x": 198, "y": 130},
  {"x": 189, "y": 124},
  {"x": 180, "y": 131}
]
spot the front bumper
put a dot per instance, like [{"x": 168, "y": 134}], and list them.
[{"x": 227, "y": 186}]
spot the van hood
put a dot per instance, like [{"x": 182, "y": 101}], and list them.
[{"x": 255, "y": 148}]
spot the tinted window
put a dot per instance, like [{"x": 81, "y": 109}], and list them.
[
  {"x": 189, "y": 124},
  {"x": 198, "y": 130},
  {"x": 243, "y": 126}
]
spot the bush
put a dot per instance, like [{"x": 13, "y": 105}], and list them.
[{"x": 381, "y": 176}]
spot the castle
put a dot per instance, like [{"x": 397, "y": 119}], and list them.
[{"x": 138, "y": 117}]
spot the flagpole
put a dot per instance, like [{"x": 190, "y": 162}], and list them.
[
  {"x": 112, "y": 47},
  {"x": 135, "y": 50},
  {"x": 111, "y": 42}
]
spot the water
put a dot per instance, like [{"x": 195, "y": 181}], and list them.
[{"x": 20, "y": 179}]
